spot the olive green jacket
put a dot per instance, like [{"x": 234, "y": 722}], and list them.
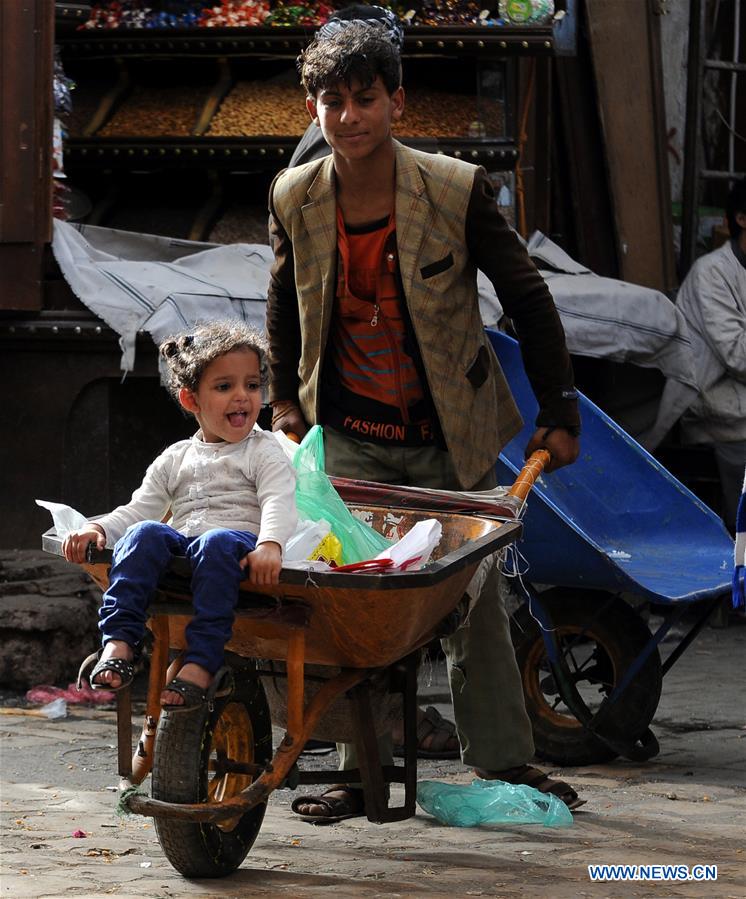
[{"x": 447, "y": 225}]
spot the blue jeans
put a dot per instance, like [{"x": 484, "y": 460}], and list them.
[{"x": 140, "y": 558}]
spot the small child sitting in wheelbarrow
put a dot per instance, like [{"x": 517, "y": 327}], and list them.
[{"x": 230, "y": 491}]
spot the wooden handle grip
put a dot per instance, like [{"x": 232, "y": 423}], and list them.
[{"x": 529, "y": 474}]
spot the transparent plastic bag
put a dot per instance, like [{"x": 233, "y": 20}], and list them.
[
  {"x": 65, "y": 518},
  {"x": 316, "y": 498},
  {"x": 491, "y": 802}
]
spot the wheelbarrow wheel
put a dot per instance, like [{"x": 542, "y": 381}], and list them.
[
  {"x": 598, "y": 649},
  {"x": 192, "y": 762}
]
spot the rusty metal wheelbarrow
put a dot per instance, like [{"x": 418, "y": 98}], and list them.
[{"x": 213, "y": 769}]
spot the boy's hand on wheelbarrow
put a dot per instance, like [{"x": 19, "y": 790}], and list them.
[
  {"x": 563, "y": 447},
  {"x": 75, "y": 545},
  {"x": 287, "y": 417},
  {"x": 264, "y": 564}
]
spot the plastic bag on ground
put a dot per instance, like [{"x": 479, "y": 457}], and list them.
[
  {"x": 317, "y": 499},
  {"x": 491, "y": 802},
  {"x": 55, "y": 709}
]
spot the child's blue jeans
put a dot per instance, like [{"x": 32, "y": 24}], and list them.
[{"x": 141, "y": 557}]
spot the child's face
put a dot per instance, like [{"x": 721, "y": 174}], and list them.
[
  {"x": 229, "y": 396},
  {"x": 356, "y": 120}
]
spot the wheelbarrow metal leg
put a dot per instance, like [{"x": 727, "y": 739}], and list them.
[
  {"x": 296, "y": 679},
  {"x": 410, "y": 733},
  {"x": 374, "y": 777},
  {"x": 368, "y": 756},
  {"x": 631, "y": 673},
  {"x": 124, "y": 733},
  {"x": 704, "y": 617},
  {"x": 142, "y": 760}
]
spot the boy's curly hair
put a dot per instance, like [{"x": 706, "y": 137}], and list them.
[
  {"x": 188, "y": 354},
  {"x": 359, "y": 51}
]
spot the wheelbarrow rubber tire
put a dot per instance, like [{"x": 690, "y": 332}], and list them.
[
  {"x": 185, "y": 750},
  {"x": 619, "y": 635}
]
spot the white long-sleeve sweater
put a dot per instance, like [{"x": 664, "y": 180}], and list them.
[{"x": 246, "y": 486}]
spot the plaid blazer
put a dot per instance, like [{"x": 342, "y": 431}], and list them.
[{"x": 476, "y": 410}]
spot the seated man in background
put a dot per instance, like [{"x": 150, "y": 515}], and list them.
[{"x": 712, "y": 299}]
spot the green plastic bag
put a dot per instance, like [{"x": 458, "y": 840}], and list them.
[{"x": 316, "y": 498}]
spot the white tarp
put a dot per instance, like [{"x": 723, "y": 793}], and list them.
[
  {"x": 139, "y": 282},
  {"x": 605, "y": 318}
]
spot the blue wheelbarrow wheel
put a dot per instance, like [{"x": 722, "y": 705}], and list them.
[
  {"x": 192, "y": 763},
  {"x": 600, "y": 636}
]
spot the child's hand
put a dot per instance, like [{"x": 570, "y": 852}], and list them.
[
  {"x": 75, "y": 545},
  {"x": 264, "y": 564}
]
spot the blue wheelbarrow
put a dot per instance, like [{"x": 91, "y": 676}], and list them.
[{"x": 602, "y": 537}]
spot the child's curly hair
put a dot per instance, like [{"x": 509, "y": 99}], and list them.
[
  {"x": 186, "y": 355},
  {"x": 359, "y": 51}
]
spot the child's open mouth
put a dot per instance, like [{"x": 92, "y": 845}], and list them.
[{"x": 237, "y": 419}]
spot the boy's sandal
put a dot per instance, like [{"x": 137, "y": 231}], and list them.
[
  {"x": 334, "y": 808},
  {"x": 539, "y": 780},
  {"x": 125, "y": 670},
  {"x": 194, "y": 696},
  {"x": 443, "y": 741}
]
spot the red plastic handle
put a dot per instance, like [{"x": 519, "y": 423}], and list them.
[{"x": 367, "y": 565}]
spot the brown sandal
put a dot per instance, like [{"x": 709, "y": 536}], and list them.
[
  {"x": 94, "y": 665},
  {"x": 539, "y": 780},
  {"x": 195, "y": 697},
  {"x": 339, "y": 808},
  {"x": 443, "y": 732}
]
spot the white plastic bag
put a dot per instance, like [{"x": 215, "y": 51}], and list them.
[
  {"x": 307, "y": 536},
  {"x": 288, "y": 446},
  {"x": 309, "y": 565},
  {"x": 415, "y": 547},
  {"x": 65, "y": 518}
]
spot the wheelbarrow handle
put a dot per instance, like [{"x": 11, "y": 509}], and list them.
[{"x": 529, "y": 474}]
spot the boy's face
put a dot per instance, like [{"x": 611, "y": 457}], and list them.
[{"x": 356, "y": 120}]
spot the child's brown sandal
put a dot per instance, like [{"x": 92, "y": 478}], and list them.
[
  {"x": 122, "y": 667},
  {"x": 194, "y": 696}
]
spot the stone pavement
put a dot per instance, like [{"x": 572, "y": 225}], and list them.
[{"x": 687, "y": 806}]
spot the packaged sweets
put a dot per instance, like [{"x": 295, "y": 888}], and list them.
[{"x": 526, "y": 12}]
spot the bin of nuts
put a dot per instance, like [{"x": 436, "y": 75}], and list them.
[
  {"x": 241, "y": 224},
  {"x": 156, "y": 111},
  {"x": 432, "y": 113},
  {"x": 261, "y": 108}
]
